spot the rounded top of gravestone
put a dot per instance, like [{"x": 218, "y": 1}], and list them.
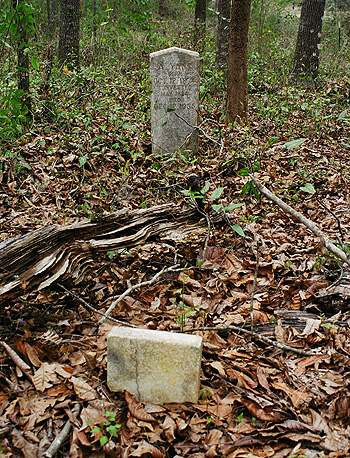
[{"x": 172, "y": 50}]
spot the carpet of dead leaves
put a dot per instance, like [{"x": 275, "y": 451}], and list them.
[{"x": 256, "y": 400}]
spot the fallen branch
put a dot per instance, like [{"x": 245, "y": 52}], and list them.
[
  {"x": 139, "y": 285},
  {"x": 93, "y": 309},
  {"x": 132, "y": 288},
  {"x": 22, "y": 365},
  {"x": 255, "y": 336},
  {"x": 62, "y": 436},
  {"x": 309, "y": 224}
]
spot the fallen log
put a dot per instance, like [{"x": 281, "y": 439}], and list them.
[
  {"x": 309, "y": 224},
  {"x": 39, "y": 258}
]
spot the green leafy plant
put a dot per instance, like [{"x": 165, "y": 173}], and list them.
[
  {"x": 250, "y": 189},
  {"x": 111, "y": 254},
  {"x": 106, "y": 430},
  {"x": 14, "y": 113}
]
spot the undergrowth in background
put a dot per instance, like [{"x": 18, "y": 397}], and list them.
[
  {"x": 87, "y": 152},
  {"x": 108, "y": 98}
]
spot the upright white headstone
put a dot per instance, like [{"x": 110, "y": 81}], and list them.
[{"x": 175, "y": 100}]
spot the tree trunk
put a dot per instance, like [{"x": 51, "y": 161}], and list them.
[
  {"x": 307, "y": 51},
  {"x": 200, "y": 14},
  {"x": 68, "y": 48},
  {"x": 222, "y": 34},
  {"x": 22, "y": 58},
  {"x": 94, "y": 19},
  {"x": 52, "y": 7},
  {"x": 163, "y": 8},
  {"x": 237, "y": 78}
]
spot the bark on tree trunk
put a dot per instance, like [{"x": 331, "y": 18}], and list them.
[
  {"x": 237, "y": 78},
  {"x": 68, "y": 48},
  {"x": 200, "y": 15},
  {"x": 52, "y": 7},
  {"x": 222, "y": 33},
  {"x": 22, "y": 58},
  {"x": 307, "y": 51},
  {"x": 163, "y": 8},
  {"x": 94, "y": 16},
  {"x": 55, "y": 12}
]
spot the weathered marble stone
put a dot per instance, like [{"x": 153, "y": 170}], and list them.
[
  {"x": 174, "y": 100},
  {"x": 155, "y": 366}
]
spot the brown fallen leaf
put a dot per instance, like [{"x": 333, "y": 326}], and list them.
[
  {"x": 83, "y": 390},
  {"x": 144, "y": 448},
  {"x": 260, "y": 413},
  {"x": 220, "y": 410},
  {"x": 28, "y": 449},
  {"x": 297, "y": 397},
  {"x": 136, "y": 409},
  {"x": 262, "y": 378},
  {"x": 83, "y": 439},
  {"x": 169, "y": 428},
  {"x": 44, "y": 377},
  {"x": 306, "y": 362}
]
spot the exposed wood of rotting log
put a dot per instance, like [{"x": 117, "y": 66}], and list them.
[{"x": 41, "y": 257}]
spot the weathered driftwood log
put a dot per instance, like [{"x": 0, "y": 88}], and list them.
[{"x": 41, "y": 257}]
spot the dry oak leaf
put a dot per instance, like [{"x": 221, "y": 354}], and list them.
[
  {"x": 297, "y": 397},
  {"x": 136, "y": 409},
  {"x": 83, "y": 390},
  {"x": 44, "y": 377},
  {"x": 220, "y": 410},
  {"x": 144, "y": 448},
  {"x": 262, "y": 378},
  {"x": 260, "y": 413},
  {"x": 169, "y": 428},
  {"x": 28, "y": 449}
]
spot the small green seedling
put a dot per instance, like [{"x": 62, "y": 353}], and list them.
[{"x": 105, "y": 431}]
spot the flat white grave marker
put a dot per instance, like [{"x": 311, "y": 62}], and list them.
[{"x": 156, "y": 366}]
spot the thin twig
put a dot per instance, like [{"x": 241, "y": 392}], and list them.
[
  {"x": 309, "y": 224},
  {"x": 336, "y": 282},
  {"x": 334, "y": 216},
  {"x": 133, "y": 287},
  {"x": 93, "y": 309},
  {"x": 207, "y": 238},
  {"x": 99, "y": 89},
  {"x": 253, "y": 289},
  {"x": 253, "y": 334},
  {"x": 221, "y": 143},
  {"x": 22, "y": 365},
  {"x": 61, "y": 437}
]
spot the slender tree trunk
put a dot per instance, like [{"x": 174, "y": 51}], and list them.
[
  {"x": 22, "y": 58},
  {"x": 222, "y": 33},
  {"x": 94, "y": 19},
  {"x": 55, "y": 12},
  {"x": 48, "y": 10},
  {"x": 307, "y": 51},
  {"x": 52, "y": 7},
  {"x": 237, "y": 78},
  {"x": 163, "y": 8},
  {"x": 68, "y": 48},
  {"x": 200, "y": 14}
]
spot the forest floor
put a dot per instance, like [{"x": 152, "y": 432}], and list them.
[{"x": 257, "y": 400}]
